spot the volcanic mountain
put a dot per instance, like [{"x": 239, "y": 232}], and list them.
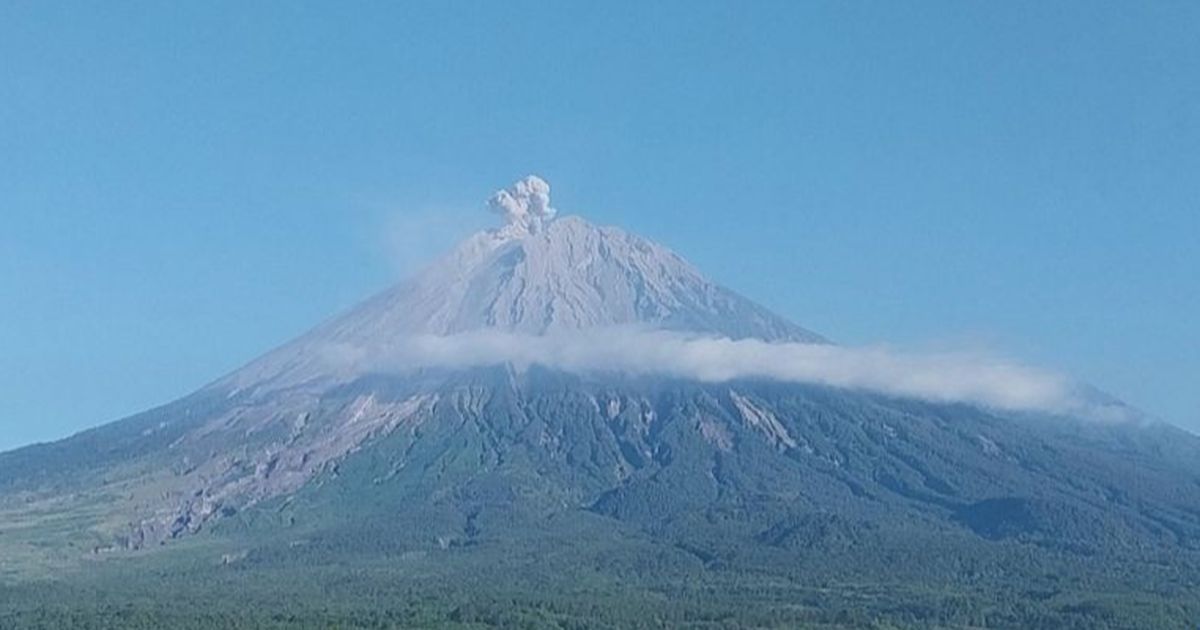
[{"x": 553, "y": 488}]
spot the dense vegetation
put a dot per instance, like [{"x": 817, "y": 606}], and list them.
[
  {"x": 560, "y": 503},
  {"x": 484, "y": 588}
]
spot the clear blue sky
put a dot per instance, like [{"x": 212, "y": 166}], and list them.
[{"x": 185, "y": 185}]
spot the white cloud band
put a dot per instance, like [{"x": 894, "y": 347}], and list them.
[{"x": 943, "y": 377}]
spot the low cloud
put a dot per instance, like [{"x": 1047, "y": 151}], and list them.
[{"x": 941, "y": 377}]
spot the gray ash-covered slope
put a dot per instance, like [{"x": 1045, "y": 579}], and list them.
[
  {"x": 545, "y": 278},
  {"x": 566, "y": 275},
  {"x": 297, "y": 458}
]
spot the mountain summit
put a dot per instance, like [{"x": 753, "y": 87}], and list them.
[
  {"x": 539, "y": 274},
  {"x": 664, "y": 498},
  {"x": 536, "y": 275}
]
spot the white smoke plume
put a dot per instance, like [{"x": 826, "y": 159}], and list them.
[
  {"x": 943, "y": 377},
  {"x": 525, "y": 204}
]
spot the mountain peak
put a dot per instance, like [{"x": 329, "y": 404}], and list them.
[
  {"x": 536, "y": 275},
  {"x": 539, "y": 275}
]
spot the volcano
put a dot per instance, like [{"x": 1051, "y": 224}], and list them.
[{"x": 372, "y": 484}]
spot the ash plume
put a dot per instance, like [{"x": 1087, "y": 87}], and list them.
[{"x": 525, "y": 204}]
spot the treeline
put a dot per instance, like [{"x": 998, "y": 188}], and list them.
[{"x": 830, "y": 610}]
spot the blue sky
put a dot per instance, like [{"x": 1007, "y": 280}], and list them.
[{"x": 185, "y": 185}]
